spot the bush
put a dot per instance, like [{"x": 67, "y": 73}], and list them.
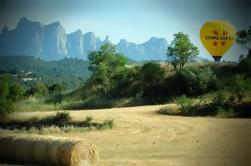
[
  {"x": 220, "y": 106},
  {"x": 130, "y": 85},
  {"x": 196, "y": 81},
  {"x": 16, "y": 92},
  {"x": 61, "y": 119},
  {"x": 155, "y": 94},
  {"x": 57, "y": 99},
  {"x": 168, "y": 110},
  {"x": 223, "y": 113},
  {"x": 10, "y": 91},
  {"x": 245, "y": 66},
  {"x": 152, "y": 82},
  {"x": 87, "y": 121},
  {"x": 38, "y": 89},
  {"x": 55, "y": 89},
  {"x": 4, "y": 85},
  {"x": 220, "y": 99},
  {"x": 239, "y": 87},
  {"x": 151, "y": 74},
  {"x": 185, "y": 103},
  {"x": 107, "y": 124},
  {"x": 6, "y": 106}
]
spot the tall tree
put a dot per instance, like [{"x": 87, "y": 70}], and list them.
[
  {"x": 106, "y": 64},
  {"x": 244, "y": 39},
  {"x": 180, "y": 50}
]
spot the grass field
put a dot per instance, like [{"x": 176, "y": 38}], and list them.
[{"x": 142, "y": 137}]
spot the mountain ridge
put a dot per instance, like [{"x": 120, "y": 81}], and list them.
[{"x": 50, "y": 42}]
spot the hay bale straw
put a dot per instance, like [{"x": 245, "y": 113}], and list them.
[{"x": 47, "y": 150}]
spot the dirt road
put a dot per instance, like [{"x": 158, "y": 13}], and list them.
[{"x": 143, "y": 138}]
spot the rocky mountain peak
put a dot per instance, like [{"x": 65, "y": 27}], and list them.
[
  {"x": 106, "y": 38},
  {"x": 50, "y": 42},
  {"x": 22, "y": 21}
]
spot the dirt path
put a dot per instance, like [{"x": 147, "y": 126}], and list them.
[{"x": 143, "y": 138}]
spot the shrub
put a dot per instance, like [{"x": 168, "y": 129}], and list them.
[
  {"x": 10, "y": 91},
  {"x": 87, "y": 121},
  {"x": 57, "y": 99},
  {"x": 55, "y": 89},
  {"x": 168, "y": 110},
  {"x": 185, "y": 103},
  {"x": 38, "y": 89},
  {"x": 6, "y": 106},
  {"x": 225, "y": 113},
  {"x": 128, "y": 86},
  {"x": 239, "y": 86},
  {"x": 155, "y": 94},
  {"x": 152, "y": 77},
  {"x": 4, "y": 85},
  {"x": 219, "y": 100},
  {"x": 245, "y": 66},
  {"x": 151, "y": 74},
  {"x": 61, "y": 119},
  {"x": 16, "y": 92},
  {"x": 220, "y": 106},
  {"x": 107, "y": 124},
  {"x": 196, "y": 81}
]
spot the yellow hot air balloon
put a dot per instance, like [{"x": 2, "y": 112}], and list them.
[{"x": 217, "y": 37}]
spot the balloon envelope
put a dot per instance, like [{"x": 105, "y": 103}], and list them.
[{"x": 217, "y": 37}]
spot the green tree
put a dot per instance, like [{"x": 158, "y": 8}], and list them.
[
  {"x": 244, "y": 38},
  {"x": 106, "y": 65},
  {"x": 6, "y": 102},
  {"x": 16, "y": 92},
  {"x": 180, "y": 50},
  {"x": 239, "y": 87},
  {"x": 39, "y": 89},
  {"x": 151, "y": 74},
  {"x": 4, "y": 85},
  {"x": 6, "y": 106},
  {"x": 55, "y": 89},
  {"x": 196, "y": 81},
  {"x": 129, "y": 83},
  {"x": 152, "y": 81}
]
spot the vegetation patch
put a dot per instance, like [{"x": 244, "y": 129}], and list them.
[
  {"x": 221, "y": 106},
  {"x": 61, "y": 122},
  {"x": 199, "y": 89}
]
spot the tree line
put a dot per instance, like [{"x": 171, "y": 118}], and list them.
[{"x": 111, "y": 78}]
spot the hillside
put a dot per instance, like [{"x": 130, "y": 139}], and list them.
[{"x": 68, "y": 71}]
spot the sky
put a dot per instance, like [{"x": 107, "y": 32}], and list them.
[{"x": 134, "y": 20}]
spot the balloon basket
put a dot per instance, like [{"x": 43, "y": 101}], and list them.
[{"x": 217, "y": 58}]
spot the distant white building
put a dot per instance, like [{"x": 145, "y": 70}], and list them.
[
  {"x": 31, "y": 79},
  {"x": 28, "y": 73}
]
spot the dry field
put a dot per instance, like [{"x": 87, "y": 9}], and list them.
[{"x": 143, "y": 138}]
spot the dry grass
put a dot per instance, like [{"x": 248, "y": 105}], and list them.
[
  {"x": 171, "y": 109},
  {"x": 48, "y": 150},
  {"x": 142, "y": 137}
]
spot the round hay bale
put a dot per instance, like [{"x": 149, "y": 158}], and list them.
[{"x": 47, "y": 150}]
